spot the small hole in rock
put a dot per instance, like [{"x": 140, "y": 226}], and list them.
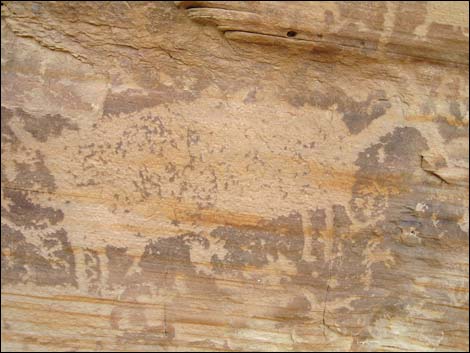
[
  {"x": 291, "y": 33},
  {"x": 320, "y": 35}
]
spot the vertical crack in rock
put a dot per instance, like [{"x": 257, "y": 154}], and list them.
[{"x": 324, "y": 324}]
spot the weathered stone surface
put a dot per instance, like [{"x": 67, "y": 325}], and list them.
[{"x": 235, "y": 176}]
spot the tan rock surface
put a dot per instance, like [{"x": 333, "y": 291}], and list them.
[{"x": 235, "y": 176}]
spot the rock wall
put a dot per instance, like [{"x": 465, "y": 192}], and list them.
[{"x": 235, "y": 176}]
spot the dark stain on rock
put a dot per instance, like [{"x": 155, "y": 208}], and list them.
[
  {"x": 163, "y": 261},
  {"x": 296, "y": 311},
  {"x": 127, "y": 102},
  {"x": 341, "y": 219},
  {"x": 40, "y": 127},
  {"x": 24, "y": 262},
  {"x": 448, "y": 33},
  {"x": 318, "y": 220},
  {"x": 329, "y": 17},
  {"x": 245, "y": 248},
  {"x": 25, "y": 213},
  {"x": 304, "y": 272},
  {"x": 252, "y": 246},
  {"x": 192, "y": 138},
  {"x": 250, "y": 97},
  {"x": 12, "y": 270},
  {"x": 132, "y": 100},
  {"x": 8, "y": 135},
  {"x": 419, "y": 243},
  {"x": 43, "y": 127},
  {"x": 52, "y": 262},
  {"x": 299, "y": 304},
  {"x": 357, "y": 115},
  {"x": 119, "y": 263},
  {"x": 93, "y": 271},
  {"x": 457, "y": 129},
  {"x": 370, "y": 13},
  {"x": 443, "y": 42},
  {"x": 34, "y": 247},
  {"x": 166, "y": 257},
  {"x": 402, "y": 150},
  {"x": 454, "y": 108},
  {"x": 409, "y": 16},
  {"x": 450, "y": 132},
  {"x": 320, "y": 265},
  {"x": 34, "y": 174},
  {"x": 417, "y": 239}
]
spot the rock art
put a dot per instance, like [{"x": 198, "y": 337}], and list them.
[{"x": 234, "y": 176}]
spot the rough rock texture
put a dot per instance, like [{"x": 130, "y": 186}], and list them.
[{"x": 235, "y": 176}]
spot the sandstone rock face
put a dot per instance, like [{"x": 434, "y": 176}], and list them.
[{"x": 235, "y": 176}]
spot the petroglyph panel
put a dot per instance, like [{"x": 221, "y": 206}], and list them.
[{"x": 246, "y": 176}]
